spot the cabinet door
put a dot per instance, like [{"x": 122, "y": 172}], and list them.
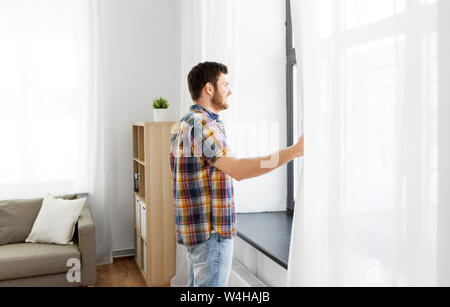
[
  {"x": 144, "y": 220},
  {"x": 145, "y": 258},
  {"x": 138, "y": 250},
  {"x": 138, "y": 214}
]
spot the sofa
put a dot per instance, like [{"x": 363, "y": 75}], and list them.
[{"x": 44, "y": 265}]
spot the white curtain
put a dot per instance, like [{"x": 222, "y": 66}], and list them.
[
  {"x": 52, "y": 115},
  {"x": 249, "y": 37},
  {"x": 373, "y": 205}
]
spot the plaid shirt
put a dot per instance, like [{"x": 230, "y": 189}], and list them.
[{"x": 203, "y": 194}]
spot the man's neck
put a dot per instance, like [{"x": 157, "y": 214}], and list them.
[{"x": 208, "y": 106}]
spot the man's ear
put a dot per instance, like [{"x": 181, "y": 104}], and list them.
[{"x": 209, "y": 88}]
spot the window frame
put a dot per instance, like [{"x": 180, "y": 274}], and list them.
[{"x": 291, "y": 61}]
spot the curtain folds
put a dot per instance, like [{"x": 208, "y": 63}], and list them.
[
  {"x": 53, "y": 117},
  {"x": 374, "y": 197}
]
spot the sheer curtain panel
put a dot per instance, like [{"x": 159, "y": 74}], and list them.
[
  {"x": 374, "y": 205},
  {"x": 52, "y": 115}
]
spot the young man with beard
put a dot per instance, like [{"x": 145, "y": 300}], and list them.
[{"x": 203, "y": 171}]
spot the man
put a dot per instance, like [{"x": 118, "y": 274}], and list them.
[{"x": 202, "y": 173}]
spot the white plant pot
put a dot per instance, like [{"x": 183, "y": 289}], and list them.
[{"x": 161, "y": 115}]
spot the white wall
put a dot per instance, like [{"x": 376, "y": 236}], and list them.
[{"x": 141, "y": 50}]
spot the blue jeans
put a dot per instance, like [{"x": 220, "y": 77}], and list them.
[{"x": 210, "y": 262}]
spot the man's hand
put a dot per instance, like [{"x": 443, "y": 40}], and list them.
[
  {"x": 241, "y": 169},
  {"x": 299, "y": 147}
]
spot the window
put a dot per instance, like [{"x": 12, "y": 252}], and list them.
[{"x": 270, "y": 232}]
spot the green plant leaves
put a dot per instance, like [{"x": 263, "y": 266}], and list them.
[{"x": 160, "y": 103}]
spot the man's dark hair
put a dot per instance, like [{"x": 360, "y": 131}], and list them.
[{"x": 202, "y": 74}]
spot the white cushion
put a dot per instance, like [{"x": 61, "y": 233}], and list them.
[{"x": 56, "y": 221}]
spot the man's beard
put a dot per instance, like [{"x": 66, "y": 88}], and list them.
[{"x": 219, "y": 102}]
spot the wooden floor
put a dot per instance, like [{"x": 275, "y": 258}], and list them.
[{"x": 124, "y": 272}]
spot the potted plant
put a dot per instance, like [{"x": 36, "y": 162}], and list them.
[{"x": 160, "y": 110}]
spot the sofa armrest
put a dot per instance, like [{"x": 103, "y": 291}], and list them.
[{"x": 86, "y": 241}]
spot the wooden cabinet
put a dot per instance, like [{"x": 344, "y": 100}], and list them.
[{"x": 153, "y": 206}]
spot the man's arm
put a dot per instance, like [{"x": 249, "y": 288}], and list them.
[{"x": 241, "y": 169}]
